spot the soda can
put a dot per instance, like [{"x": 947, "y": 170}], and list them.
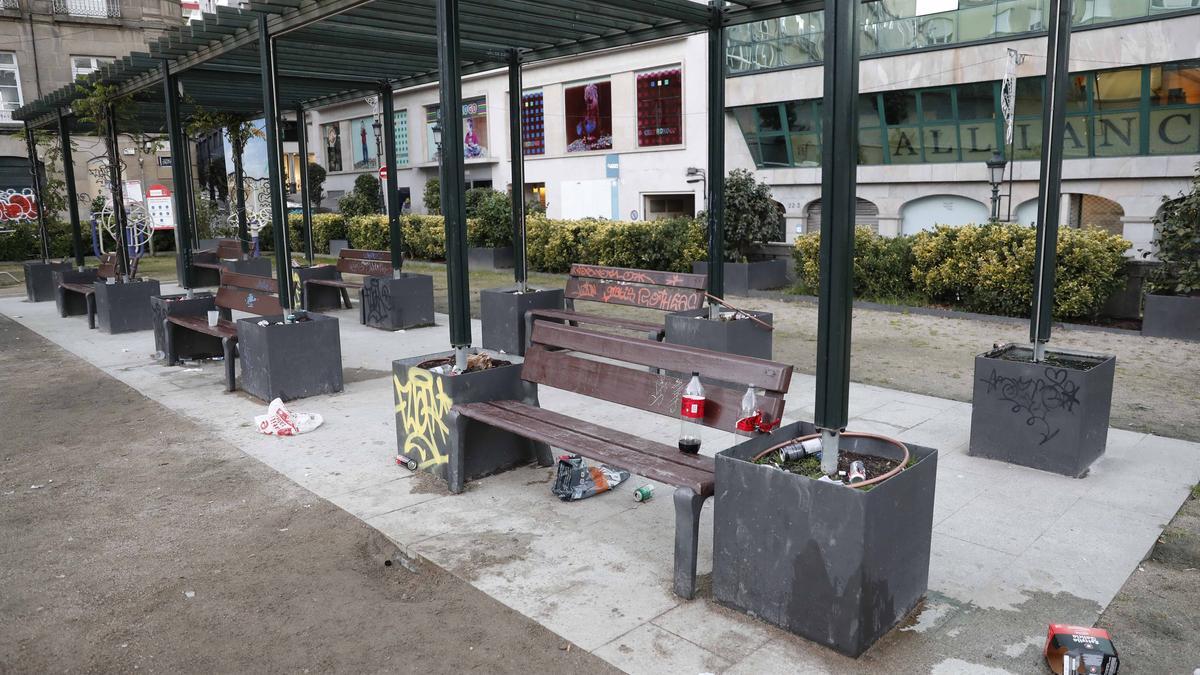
[
  {"x": 643, "y": 494},
  {"x": 796, "y": 451},
  {"x": 406, "y": 462},
  {"x": 858, "y": 472}
]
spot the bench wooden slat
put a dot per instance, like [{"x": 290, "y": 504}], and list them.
[
  {"x": 635, "y": 295},
  {"x": 744, "y": 370},
  {"x": 252, "y": 302},
  {"x": 367, "y": 268},
  {"x": 596, "y": 319},
  {"x": 336, "y": 283},
  {"x": 650, "y": 277},
  {"x": 229, "y": 249},
  {"x": 660, "y": 450},
  {"x": 366, "y": 254},
  {"x": 249, "y": 282},
  {"x": 211, "y": 266},
  {"x": 658, "y": 393},
  {"x": 223, "y": 329},
  {"x": 84, "y": 289},
  {"x": 650, "y": 466}
]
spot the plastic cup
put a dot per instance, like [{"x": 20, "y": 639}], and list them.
[{"x": 213, "y": 317}]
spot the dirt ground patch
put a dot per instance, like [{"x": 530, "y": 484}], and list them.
[{"x": 132, "y": 540}]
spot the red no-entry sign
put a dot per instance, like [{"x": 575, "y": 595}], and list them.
[{"x": 383, "y": 172}]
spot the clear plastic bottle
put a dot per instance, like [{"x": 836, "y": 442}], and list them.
[
  {"x": 691, "y": 412},
  {"x": 750, "y": 416}
]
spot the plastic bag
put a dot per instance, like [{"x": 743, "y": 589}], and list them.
[
  {"x": 279, "y": 421},
  {"x": 576, "y": 480}
]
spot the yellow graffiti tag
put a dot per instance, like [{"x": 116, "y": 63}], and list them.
[{"x": 421, "y": 408}]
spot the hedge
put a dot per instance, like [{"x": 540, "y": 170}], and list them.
[
  {"x": 24, "y": 242},
  {"x": 979, "y": 268}
]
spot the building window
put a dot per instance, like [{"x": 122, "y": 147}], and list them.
[
  {"x": 86, "y": 65},
  {"x": 589, "y": 116},
  {"x": 110, "y": 9},
  {"x": 660, "y": 108},
  {"x": 364, "y": 147},
  {"x": 533, "y": 124},
  {"x": 1150, "y": 110},
  {"x": 670, "y": 206},
  {"x": 10, "y": 86},
  {"x": 401, "y": 137},
  {"x": 331, "y": 134},
  {"x": 475, "y": 129}
]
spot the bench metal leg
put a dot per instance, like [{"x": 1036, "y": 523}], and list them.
[
  {"x": 346, "y": 297},
  {"x": 91, "y": 309},
  {"x": 687, "y": 540},
  {"x": 457, "y": 468},
  {"x": 229, "y": 346}
]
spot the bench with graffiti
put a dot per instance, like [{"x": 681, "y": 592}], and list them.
[
  {"x": 323, "y": 287},
  {"x": 191, "y": 333},
  {"x": 75, "y": 290}
]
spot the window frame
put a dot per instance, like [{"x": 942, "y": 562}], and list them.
[{"x": 15, "y": 67}]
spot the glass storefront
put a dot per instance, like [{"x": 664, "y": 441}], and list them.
[
  {"x": 1149, "y": 110},
  {"x": 901, "y": 25}
]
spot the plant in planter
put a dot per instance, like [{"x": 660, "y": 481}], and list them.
[
  {"x": 752, "y": 218},
  {"x": 365, "y": 200},
  {"x": 489, "y": 229},
  {"x": 1173, "y": 301}
]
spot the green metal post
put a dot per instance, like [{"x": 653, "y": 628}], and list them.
[
  {"x": 716, "y": 155},
  {"x": 117, "y": 191},
  {"x": 453, "y": 198},
  {"x": 36, "y": 176},
  {"x": 305, "y": 206},
  {"x": 239, "y": 191},
  {"x": 177, "y": 139},
  {"x": 283, "y": 261},
  {"x": 517, "y": 149},
  {"x": 838, "y": 183},
  {"x": 1058, "y": 52},
  {"x": 190, "y": 196},
  {"x": 64, "y": 137},
  {"x": 396, "y": 235}
]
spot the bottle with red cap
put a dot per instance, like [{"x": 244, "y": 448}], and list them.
[{"x": 691, "y": 413}]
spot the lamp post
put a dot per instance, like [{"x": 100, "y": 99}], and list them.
[
  {"x": 995, "y": 167},
  {"x": 697, "y": 175},
  {"x": 437, "y": 137},
  {"x": 377, "y": 127}
]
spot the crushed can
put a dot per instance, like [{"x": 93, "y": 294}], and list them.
[
  {"x": 1079, "y": 650},
  {"x": 858, "y": 472}
]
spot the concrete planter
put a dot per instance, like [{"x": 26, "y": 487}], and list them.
[
  {"x": 188, "y": 344},
  {"x": 1172, "y": 316},
  {"x": 490, "y": 258},
  {"x": 259, "y": 267},
  {"x": 290, "y": 361},
  {"x": 742, "y": 336},
  {"x": 1049, "y": 416},
  {"x": 447, "y": 445},
  {"x": 39, "y": 280},
  {"x": 397, "y": 304},
  {"x": 125, "y": 308},
  {"x": 836, "y": 565},
  {"x": 317, "y": 298},
  {"x": 70, "y": 303},
  {"x": 741, "y": 278},
  {"x": 337, "y": 245},
  {"x": 502, "y": 313}
]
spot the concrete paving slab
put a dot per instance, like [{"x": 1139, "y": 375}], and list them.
[{"x": 1012, "y": 547}]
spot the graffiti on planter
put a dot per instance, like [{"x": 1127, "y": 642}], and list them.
[
  {"x": 1037, "y": 398},
  {"x": 421, "y": 409},
  {"x": 377, "y": 300}
]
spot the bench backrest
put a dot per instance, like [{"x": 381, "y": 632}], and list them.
[
  {"x": 551, "y": 360},
  {"x": 248, "y": 293},
  {"x": 229, "y": 249},
  {"x": 666, "y": 291},
  {"x": 107, "y": 268},
  {"x": 366, "y": 263}
]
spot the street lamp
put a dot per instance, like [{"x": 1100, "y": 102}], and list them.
[
  {"x": 437, "y": 136},
  {"x": 996, "y": 166},
  {"x": 377, "y": 126},
  {"x": 697, "y": 175}
]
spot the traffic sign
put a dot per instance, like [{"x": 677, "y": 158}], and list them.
[{"x": 383, "y": 172}]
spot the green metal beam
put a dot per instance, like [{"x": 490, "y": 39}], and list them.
[
  {"x": 64, "y": 139},
  {"x": 516, "y": 146},
  {"x": 716, "y": 156},
  {"x": 35, "y": 172},
  {"x": 183, "y": 188},
  {"x": 453, "y": 180},
  {"x": 392, "y": 191},
  {"x": 305, "y": 197},
  {"x": 283, "y": 261}
]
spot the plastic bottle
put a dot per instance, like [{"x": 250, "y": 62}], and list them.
[
  {"x": 749, "y": 416},
  {"x": 691, "y": 411}
]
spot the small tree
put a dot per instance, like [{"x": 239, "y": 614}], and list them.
[
  {"x": 316, "y": 183},
  {"x": 751, "y": 216},
  {"x": 365, "y": 200},
  {"x": 489, "y": 219},
  {"x": 433, "y": 197},
  {"x": 1177, "y": 241}
]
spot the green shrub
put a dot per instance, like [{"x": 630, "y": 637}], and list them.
[
  {"x": 1177, "y": 243},
  {"x": 369, "y": 232},
  {"x": 432, "y": 196},
  {"x": 882, "y": 265},
  {"x": 751, "y": 215},
  {"x": 671, "y": 245},
  {"x": 365, "y": 200},
  {"x": 489, "y": 218},
  {"x": 424, "y": 236},
  {"x": 326, "y": 226},
  {"x": 24, "y": 242},
  {"x": 989, "y": 268}
]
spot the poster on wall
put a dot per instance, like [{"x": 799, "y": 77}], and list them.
[
  {"x": 475, "y": 129},
  {"x": 659, "y": 108},
  {"x": 363, "y": 148},
  {"x": 589, "y": 117},
  {"x": 533, "y": 124},
  {"x": 332, "y": 133}
]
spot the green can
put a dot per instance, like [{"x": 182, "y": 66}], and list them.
[{"x": 643, "y": 494}]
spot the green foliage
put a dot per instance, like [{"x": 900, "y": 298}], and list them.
[
  {"x": 882, "y": 265},
  {"x": 326, "y": 226},
  {"x": 989, "y": 268},
  {"x": 316, "y": 184},
  {"x": 424, "y": 236},
  {"x": 751, "y": 216},
  {"x": 24, "y": 242},
  {"x": 489, "y": 218},
  {"x": 1177, "y": 239},
  {"x": 365, "y": 200},
  {"x": 432, "y": 196},
  {"x": 671, "y": 245}
]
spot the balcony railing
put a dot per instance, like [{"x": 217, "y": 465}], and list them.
[
  {"x": 6, "y": 114},
  {"x": 798, "y": 40},
  {"x": 105, "y": 9}
]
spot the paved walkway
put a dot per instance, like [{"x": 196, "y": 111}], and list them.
[{"x": 1013, "y": 548}]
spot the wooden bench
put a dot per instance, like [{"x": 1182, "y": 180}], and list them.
[
  {"x": 243, "y": 292},
  {"x": 663, "y": 291},
  {"x": 562, "y": 357},
  {"x": 322, "y": 286},
  {"x": 76, "y": 290},
  {"x": 208, "y": 264}
]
